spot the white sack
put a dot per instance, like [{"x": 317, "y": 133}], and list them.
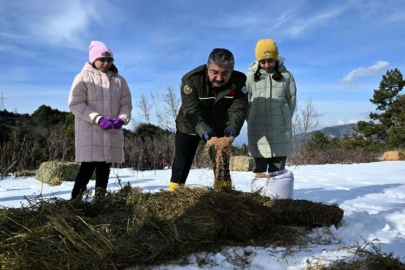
[{"x": 279, "y": 186}]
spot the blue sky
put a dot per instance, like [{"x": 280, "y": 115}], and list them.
[{"x": 336, "y": 50}]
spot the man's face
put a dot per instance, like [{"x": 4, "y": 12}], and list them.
[{"x": 219, "y": 75}]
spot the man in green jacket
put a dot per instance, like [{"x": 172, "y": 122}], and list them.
[{"x": 214, "y": 104}]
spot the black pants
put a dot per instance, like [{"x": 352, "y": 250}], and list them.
[
  {"x": 185, "y": 148},
  {"x": 85, "y": 172},
  {"x": 269, "y": 164}
]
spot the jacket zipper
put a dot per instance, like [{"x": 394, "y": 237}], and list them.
[{"x": 271, "y": 94}]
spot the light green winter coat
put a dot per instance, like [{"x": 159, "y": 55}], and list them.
[{"x": 271, "y": 107}]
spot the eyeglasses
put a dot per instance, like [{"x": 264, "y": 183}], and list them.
[
  {"x": 108, "y": 60},
  {"x": 224, "y": 74}
]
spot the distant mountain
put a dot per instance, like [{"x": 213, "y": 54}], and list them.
[{"x": 331, "y": 132}]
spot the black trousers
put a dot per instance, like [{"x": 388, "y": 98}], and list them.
[
  {"x": 85, "y": 172},
  {"x": 185, "y": 148},
  {"x": 269, "y": 164}
]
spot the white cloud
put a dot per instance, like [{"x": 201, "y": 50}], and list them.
[
  {"x": 65, "y": 23},
  {"x": 340, "y": 122},
  {"x": 362, "y": 71},
  {"x": 388, "y": 11},
  {"x": 317, "y": 20},
  {"x": 288, "y": 20},
  {"x": 67, "y": 26}
]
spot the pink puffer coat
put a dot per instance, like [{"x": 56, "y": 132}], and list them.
[{"x": 95, "y": 94}]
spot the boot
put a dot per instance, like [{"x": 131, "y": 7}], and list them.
[
  {"x": 218, "y": 185},
  {"x": 99, "y": 194},
  {"x": 173, "y": 186}
]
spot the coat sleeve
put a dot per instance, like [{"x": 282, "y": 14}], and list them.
[
  {"x": 78, "y": 101},
  {"x": 125, "y": 103},
  {"x": 192, "y": 108},
  {"x": 249, "y": 89},
  {"x": 291, "y": 95},
  {"x": 237, "y": 111}
]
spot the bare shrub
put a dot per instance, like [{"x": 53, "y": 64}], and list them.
[
  {"x": 332, "y": 156},
  {"x": 171, "y": 106},
  {"x": 144, "y": 108},
  {"x": 60, "y": 147},
  {"x": 18, "y": 154},
  {"x": 306, "y": 119},
  {"x": 156, "y": 153},
  {"x": 150, "y": 153}
]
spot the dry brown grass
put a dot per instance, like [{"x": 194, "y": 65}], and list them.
[
  {"x": 367, "y": 256},
  {"x": 129, "y": 228}
]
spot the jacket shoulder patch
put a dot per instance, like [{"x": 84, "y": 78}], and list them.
[
  {"x": 187, "y": 89},
  {"x": 244, "y": 90}
]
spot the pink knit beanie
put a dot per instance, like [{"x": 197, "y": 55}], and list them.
[{"x": 98, "y": 49}]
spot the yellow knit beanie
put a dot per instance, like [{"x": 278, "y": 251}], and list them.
[{"x": 266, "y": 49}]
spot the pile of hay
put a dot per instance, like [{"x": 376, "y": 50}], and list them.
[
  {"x": 129, "y": 228},
  {"x": 394, "y": 155},
  {"x": 366, "y": 257},
  {"x": 54, "y": 172},
  {"x": 241, "y": 163}
]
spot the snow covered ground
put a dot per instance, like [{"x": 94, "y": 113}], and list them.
[{"x": 372, "y": 195}]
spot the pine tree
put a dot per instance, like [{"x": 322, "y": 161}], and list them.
[
  {"x": 319, "y": 141},
  {"x": 388, "y": 126}
]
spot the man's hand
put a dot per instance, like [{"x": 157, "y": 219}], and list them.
[
  {"x": 208, "y": 135},
  {"x": 230, "y": 132}
]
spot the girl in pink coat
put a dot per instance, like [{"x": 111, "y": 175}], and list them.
[{"x": 101, "y": 101}]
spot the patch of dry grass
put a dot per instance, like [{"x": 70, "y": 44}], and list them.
[{"x": 129, "y": 227}]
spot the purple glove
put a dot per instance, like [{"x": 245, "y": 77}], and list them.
[
  {"x": 117, "y": 123},
  {"x": 105, "y": 123}
]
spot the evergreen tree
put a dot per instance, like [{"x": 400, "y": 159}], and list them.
[
  {"x": 319, "y": 141},
  {"x": 388, "y": 126},
  {"x": 146, "y": 130}
]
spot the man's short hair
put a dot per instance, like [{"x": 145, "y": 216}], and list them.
[{"x": 221, "y": 57}]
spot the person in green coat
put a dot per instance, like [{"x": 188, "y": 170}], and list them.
[
  {"x": 214, "y": 104},
  {"x": 271, "y": 105}
]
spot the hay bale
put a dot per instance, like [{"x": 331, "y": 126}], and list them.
[
  {"x": 54, "y": 172},
  {"x": 242, "y": 163},
  {"x": 394, "y": 155}
]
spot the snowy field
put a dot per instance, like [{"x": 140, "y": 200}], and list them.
[{"x": 372, "y": 196}]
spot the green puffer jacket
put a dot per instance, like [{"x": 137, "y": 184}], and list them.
[
  {"x": 210, "y": 108},
  {"x": 271, "y": 107}
]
